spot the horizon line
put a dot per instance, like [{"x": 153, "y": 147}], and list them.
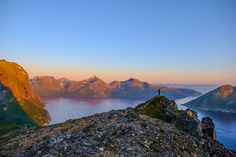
[{"x": 153, "y": 83}]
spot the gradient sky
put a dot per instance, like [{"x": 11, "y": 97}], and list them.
[{"x": 184, "y": 41}]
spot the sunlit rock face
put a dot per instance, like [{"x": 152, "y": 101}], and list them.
[
  {"x": 14, "y": 77},
  {"x": 48, "y": 86},
  {"x": 18, "y": 98},
  {"x": 224, "y": 91}
]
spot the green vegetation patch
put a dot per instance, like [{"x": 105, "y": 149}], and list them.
[
  {"x": 14, "y": 114},
  {"x": 153, "y": 108}
]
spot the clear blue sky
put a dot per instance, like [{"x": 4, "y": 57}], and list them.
[{"x": 184, "y": 41}]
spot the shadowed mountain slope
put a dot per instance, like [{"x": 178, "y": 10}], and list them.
[{"x": 19, "y": 105}]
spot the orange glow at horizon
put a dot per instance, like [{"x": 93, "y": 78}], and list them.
[{"x": 147, "y": 76}]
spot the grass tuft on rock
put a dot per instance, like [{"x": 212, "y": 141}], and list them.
[{"x": 155, "y": 108}]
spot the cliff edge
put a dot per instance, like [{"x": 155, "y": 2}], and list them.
[{"x": 19, "y": 105}]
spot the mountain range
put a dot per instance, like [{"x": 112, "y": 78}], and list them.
[
  {"x": 19, "y": 105},
  {"x": 48, "y": 86},
  {"x": 220, "y": 99},
  {"x": 153, "y": 128}
]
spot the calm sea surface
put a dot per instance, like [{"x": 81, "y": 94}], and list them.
[
  {"x": 225, "y": 124},
  {"x": 62, "y": 109}
]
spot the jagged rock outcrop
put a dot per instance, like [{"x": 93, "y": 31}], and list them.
[
  {"x": 159, "y": 107},
  {"x": 187, "y": 120},
  {"x": 165, "y": 109},
  {"x": 116, "y": 133},
  {"x": 208, "y": 128},
  {"x": 19, "y": 105},
  {"x": 221, "y": 99}
]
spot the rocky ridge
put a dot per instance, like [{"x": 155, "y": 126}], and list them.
[{"x": 129, "y": 132}]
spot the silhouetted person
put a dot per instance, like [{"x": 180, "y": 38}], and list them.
[{"x": 159, "y": 91}]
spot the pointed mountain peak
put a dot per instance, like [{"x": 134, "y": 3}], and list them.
[
  {"x": 224, "y": 91},
  {"x": 94, "y": 78},
  {"x": 133, "y": 80},
  {"x": 115, "y": 84}
]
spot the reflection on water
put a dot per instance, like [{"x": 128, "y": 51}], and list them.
[
  {"x": 183, "y": 101},
  {"x": 62, "y": 109}
]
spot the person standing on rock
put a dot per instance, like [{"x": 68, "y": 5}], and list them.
[{"x": 159, "y": 91}]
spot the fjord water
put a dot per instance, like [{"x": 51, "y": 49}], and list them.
[
  {"x": 225, "y": 123},
  {"x": 62, "y": 109}
]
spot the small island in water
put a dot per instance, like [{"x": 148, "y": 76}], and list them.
[{"x": 221, "y": 99}]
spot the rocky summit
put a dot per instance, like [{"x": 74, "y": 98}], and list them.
[{"x": 154, "y": 128}]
